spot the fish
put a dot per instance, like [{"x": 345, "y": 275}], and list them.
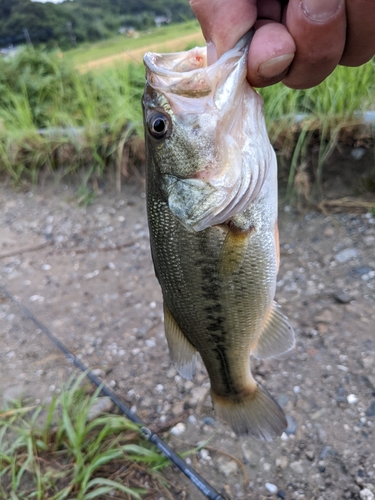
[{"x": 211, "y": 190}]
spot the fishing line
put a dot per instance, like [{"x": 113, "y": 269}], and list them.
[{"x": 207, "y": 490}]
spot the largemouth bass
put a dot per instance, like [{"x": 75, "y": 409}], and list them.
[{"x": 212, "y": 211}]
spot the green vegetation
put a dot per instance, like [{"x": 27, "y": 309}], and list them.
[
  {"x": 59, "y": 452},
  {"x": 77, "y": 21},
  {"x": 323, "y": 114},
  {"x": 87, "y": 52},
  {"x": 51, "y": 117}
]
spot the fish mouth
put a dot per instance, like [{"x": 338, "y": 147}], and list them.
[{"x": 187, "y": 74}]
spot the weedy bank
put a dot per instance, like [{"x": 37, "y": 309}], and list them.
[{"x": 54, "y": 120}]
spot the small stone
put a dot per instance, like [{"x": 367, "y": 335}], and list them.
[
  {"x": 191, "y": 419},
  {"x": 89, "y": 276},
  {"x": 209, "y": 421},
  {"x": 150, "y": 342},
  {"x": 292, "y": 425},
  {"x": 321, "y": 466},
  {"x": 366, "y": 494},
  {"x": 368, "y": 362},
  {"x": 272, "y": 488},
  {"x": 36, "y": 298},
  {"x": 281, "y": 494},
  {"x": 371, "y": 410},
  {"x": 178, "y": 429},
  {"x": 266, "y": 466},
  {"x": 297, "y": 467},
  {"x": 310, "y": 454},
  {"x": 196, "y": 394},
  {"x": 178, "y": 408},
  {"x": 204, "y": 454},
  {"x": 343, "y": 368},
  {"x": 188, "y": 385},
  {"x": 160, "y": 388},
  {"x": 341, "y": 297},
  {"x": 346, "y": 255},
  {"x": 322, "y": 435},
  {"x": 227, "y": 467},
  {"x": 324, "y": 317},
  {"x": 352, "y": 398},
  {"x": 100, "y": 405},
  {"x": 358, "y": 153},
  {"x": 281, "y": 462}
]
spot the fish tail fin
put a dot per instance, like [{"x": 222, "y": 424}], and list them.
[{"x": 256, "y": 414}]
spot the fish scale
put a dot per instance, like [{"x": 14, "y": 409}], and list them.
[{"x": 212, "y": 211}]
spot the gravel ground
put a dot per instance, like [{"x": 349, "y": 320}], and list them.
[{"x": 87, "y": 274}]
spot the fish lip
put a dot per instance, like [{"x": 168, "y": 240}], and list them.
[{"x": 156, "y": 64}]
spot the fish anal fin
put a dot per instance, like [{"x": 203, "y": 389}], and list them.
[
  {"x": 276, "y": 337},
  {"x": 233, "y": 250},
  {"x": 183, "y": 354},
  {"x": 256, "y": 413}
]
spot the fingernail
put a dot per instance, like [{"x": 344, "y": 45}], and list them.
[
  {"x": 321, "y": 10},
  {"x": 275, "y": 66}
]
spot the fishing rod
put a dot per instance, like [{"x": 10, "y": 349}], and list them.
[{"x": 207, "y": 490}]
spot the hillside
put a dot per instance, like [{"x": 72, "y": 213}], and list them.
[{"x": 75, "y": 21}]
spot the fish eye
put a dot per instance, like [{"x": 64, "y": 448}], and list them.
[{"x": 158, "y": 125}]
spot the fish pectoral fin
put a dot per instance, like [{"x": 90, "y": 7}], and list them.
[
  {"x": 233, "y": 251},
  {"x": 256, "y": 413},
  {"x": 183, "y": 354},
  {"x": 276, "y": 337}
]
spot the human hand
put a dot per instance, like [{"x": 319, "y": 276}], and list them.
[{"x": 298, "y": 42}]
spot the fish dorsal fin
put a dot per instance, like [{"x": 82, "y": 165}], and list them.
[
  {"x": 183, "y": 354},
  {"x": 276, "y": 337},
  {"x": 233, "y": 251}
]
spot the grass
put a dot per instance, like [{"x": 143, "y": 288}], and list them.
[
  {"x": 57, "y": 452},
  {"x": 325, "y": 112},
  {"x": 88, "y": 52},
  {"x": 54, "y": 119}
]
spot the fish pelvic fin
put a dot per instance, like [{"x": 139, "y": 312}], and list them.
[
  {"x": 276, "y": 337},
  {"x": 183, "y": 354},
  {"x": 256, "y": 414},
  {"x": 233, "y": 250}
]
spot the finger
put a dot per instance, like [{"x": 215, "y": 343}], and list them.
[
  {"x": 360, "y": 33},
  {"x": 271, "y": 52},
  {"x": 318, "y": 28},
  {"x": 224, "y": 22}
]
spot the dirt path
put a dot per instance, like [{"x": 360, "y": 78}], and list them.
[
  {"x": 136, "y": 55},
  {"x": 93, "y": 285}
]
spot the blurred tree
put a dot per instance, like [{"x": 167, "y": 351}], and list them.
[{"x": 86, "y": 19}]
